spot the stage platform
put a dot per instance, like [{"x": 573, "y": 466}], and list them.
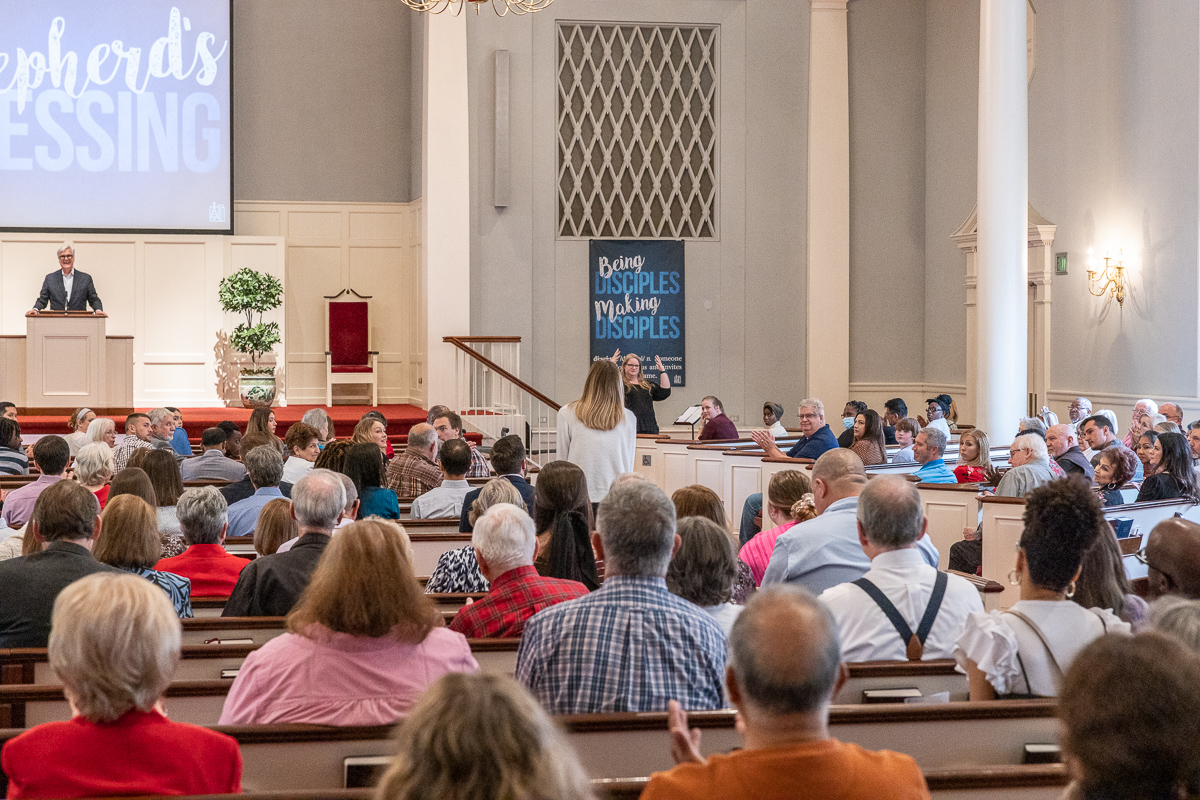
[{"x": 195, "y": 420}]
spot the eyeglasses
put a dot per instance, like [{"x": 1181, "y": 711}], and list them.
[
  {"x": 807, "y": 416},
  {"x": 66, "y": 258}
]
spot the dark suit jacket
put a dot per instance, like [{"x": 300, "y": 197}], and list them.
[
  {"x": 240, "y": 490},
  {"x": 523, "y": 486},
  {"x": 1073, "y": 462},
  {"x": 271, "y": 585},
  {"x": 29, "y": 585},
  {"x": 54, "y": 292}
]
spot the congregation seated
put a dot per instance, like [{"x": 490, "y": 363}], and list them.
[
  {"x": 1114, "y": 469},
  {"x": 772, "y": 418},
  {"x": 716, "y": 426},
  {"x": 1172, "y": 558},
  {"x": 129, "y": 541},
  {"x": 974, "y": 457},
  {"x": 13, "y": 460},
  {"x": 785, "y": 667},
  {"x": 214, "y": 463},
  {"x": 446, "y": 500},
  {"x": 449, "y": 427},
  {"x": 262, "y": 422},
  {"x": 1174, "y": 476},
  {"x": 478, "y": 737},
  {"x": 104, "y": 431},
  {"x": 364, "y": 466},
  {"x": 562, "y": 516},
  {"x": 815, "y": 440},
  {"x": 1143, "y": 445},
  {"x": 868, "y": 441},
  {"x": 115, "y": 646},
  {"x": 137, "y": 437},
  {"x": 1177, "y": 617},
  {"x": 233, "y": 439},
  {"x": 1025, "y": 650},
  {"x": 1172, "y": 412},
  {"x": 240, "y": 490},
  {"x": 1103, "y": 583},
  {"x": 701, "y": 501},
  {"x": 79, "y": 421},
  {"x": 458, "y": 570},
  {"x": 373, "y": 428},
  {"x": 894, "y": 410},
  {"x": 350, "y": 513},
  {"x": 1130, "y": 709},
  {"x": 508, "y": 459},
  {"x": 203, "y": 518},
  {"x": 162, "y": 431},
  {"x": 94, "y": 469},
  {"x": 1100, "y": 432},
  {"x": 703, "y": 569},
  {"x": 179, "y": 437},
  {"x": 789, "y": 502},
  {"x": 275, "y": 527},
  {"x": 65, "y": 523},
  {"x": 906, "y": 429},
  {"x": 630, "y": 645},
  {"x": 333, "y": 455},
  {"x": 929, "y": 451},
  {"x": 319, "y": 421},
  {"x": 264, "y": 466},
  {"x": 824, "y": 551},
  {"x": 162, "y": 469},
  {"x": 270, "y": 586},
  {"x": 1137, "y": 425},
  {"x": 50, "y": 455},
  {"x": 902, "y": 608},
  {"x": 303, "y": 446},
  {"x": 1063, "y": 444},
  {"x": 849, "y": 417},
  {"x": 414, "y": 472},
  {"x": 362, "y": 644},
  {"x": 504, "y": 542},
  {"x": 939, "y": 411}
]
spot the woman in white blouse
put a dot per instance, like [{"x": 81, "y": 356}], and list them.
[
  {"x": 597, "y": 432},
  {"x": 79, "y": 422},
  {"x": 1025, "y": 650}
]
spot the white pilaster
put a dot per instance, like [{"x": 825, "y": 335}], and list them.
[
  {"x": 446, "y": 202},
  {"x": 828, "y": 284},
  {"x": 1001, "y": 372}
]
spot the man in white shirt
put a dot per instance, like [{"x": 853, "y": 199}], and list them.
[
  {"x": 902, "y": 608},
  {"x": 447, "y": 500}
]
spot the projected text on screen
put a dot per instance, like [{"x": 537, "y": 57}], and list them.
[{"x": 115, "y": 115}]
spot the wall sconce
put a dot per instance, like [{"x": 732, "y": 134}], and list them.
[{"x": 1108, "y": 280}]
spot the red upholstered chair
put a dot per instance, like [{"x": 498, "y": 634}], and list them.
[{"x": 350, "y": 358}]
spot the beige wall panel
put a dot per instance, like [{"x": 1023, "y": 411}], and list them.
[
  {"x": 173, "y": 326},
  {"x": 67, "y": 368},
  {"x": 119, "y": 381},
  {"x": 315, "y": 271},
  {"x": 314, "y": 225},
  {"x": 258, "y": 223},
  {"x": 12, "y": 369},
  {"x": 306, "y": 383},
  {"x": 382, "y": 270},
  {"x": 168, "y": 382},
  {"x": 377, "y": 225},
  {"x": 24, "y": 264}
]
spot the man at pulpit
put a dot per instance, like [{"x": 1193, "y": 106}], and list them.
[{"x": 68, "y": 289}]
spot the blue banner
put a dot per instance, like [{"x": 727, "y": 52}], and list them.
[{"x": 637, "y": 303}]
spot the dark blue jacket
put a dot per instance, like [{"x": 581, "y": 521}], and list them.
[
  {"x": 813, "y": 446},
  {"x": 523, "y": 486}
]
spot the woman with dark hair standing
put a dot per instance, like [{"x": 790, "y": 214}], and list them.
[
  {"x": 868, "y": 438},
  {"x": 1175, "y": 476},
  {"x": 640, "y": 393},
  {"x": 364, "y": 466},
  {"x": 1024, "y": 651},
  {"x": 1116, "y": 467},
  {"x": 562, "y": 516}
]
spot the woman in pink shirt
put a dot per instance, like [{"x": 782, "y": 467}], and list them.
[
  {"x": 788, "y": 502},
  {"x": 362, "y": 644}
]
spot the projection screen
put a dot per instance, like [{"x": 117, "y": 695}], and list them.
[{"x": 115, "y": 116}]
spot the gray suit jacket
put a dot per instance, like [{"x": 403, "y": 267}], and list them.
[
  {"x": 54, "y": 293},
  {"x": 212, "y": 465}
]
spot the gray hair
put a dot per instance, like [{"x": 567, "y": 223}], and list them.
[
  {"x": 421, "y": 436},
  {"x": 497, "y": 490},
  {"x": 505, "y": 537},
  {"x": 351, "y": 491},
  {"x": 157, "y": 415},
  {"x": 318, "y": 499},
  {"x": 67, "y": 245},
  {"x": 936, "y": 437},
  {"x": 1151, "y": 406},
  {"x": 202, "y": 515},
  {"x": 1035, "y": 444},
  {"x": 636, "y": 522},
  {"x": 99, "y": 427},
  {"x": 114, "y": 644},
  {"x": 1112, "y": 417},
  {"x": 782, "y": 665},
  {"x": 94, "y": 462},
  {"x": 1032, "y": 424},
  {"x": 1179, "y": 618},
  {"x": 265, "y": 466},
  {"x": 813, "y": 403},
  {"x": 316, "y": 419},
  {"x": 890, "y": 512}
]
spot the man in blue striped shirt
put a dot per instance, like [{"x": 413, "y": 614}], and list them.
[{"x": 630, "y": 645}]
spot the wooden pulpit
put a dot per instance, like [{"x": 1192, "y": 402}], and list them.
[{"x": 66, "y": 361}]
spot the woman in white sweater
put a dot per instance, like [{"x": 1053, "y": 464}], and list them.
[{"x": 596, "y": 432}]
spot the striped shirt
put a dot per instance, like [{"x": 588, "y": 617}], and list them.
[
  {"x": 125, "y": 450},
  {"x": 13, "y": 462},
  {"x": 628, "y": 646}
]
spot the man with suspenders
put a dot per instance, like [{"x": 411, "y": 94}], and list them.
[{"x": 902, "y": 608}]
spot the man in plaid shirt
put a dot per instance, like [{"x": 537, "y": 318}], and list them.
[
  {"x": 505, "y": 541},
  {"x": 413, "y": 472},
  {"x": 137, "y": 434},
  {"x": 630, "y": 645}
]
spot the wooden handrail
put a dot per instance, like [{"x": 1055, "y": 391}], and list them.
[{"x": 460, "y": 343}]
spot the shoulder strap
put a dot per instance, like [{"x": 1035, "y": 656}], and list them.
[
  {"x": 915, "y": 643},
  {"x": 931, "y": 610},
  {"x": 1042, "y": 638}
]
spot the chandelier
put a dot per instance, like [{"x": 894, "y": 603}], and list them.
[{"x": 455, "y": 7}]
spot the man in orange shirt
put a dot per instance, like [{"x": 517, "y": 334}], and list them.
[{"x": 785, "y": 666}]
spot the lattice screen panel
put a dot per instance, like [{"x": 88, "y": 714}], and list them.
[{"x": 637, "y": 131}]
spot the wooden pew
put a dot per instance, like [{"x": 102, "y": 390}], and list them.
[{"x": 208, "y": 607}]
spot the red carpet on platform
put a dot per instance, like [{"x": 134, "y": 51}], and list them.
[{"x": 195, "y": 420}]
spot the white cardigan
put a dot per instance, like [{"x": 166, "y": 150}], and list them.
[{"x": 602, "y": 455}]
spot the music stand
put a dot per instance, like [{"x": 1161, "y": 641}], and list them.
[{"x": 690, "y": 417}]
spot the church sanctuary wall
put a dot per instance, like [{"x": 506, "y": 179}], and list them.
[
  {"x": 745, "y": 288},
  {"x": 1113, "y": 109}
]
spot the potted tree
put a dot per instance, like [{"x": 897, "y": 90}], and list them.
[{"x": 253, "y": 293}]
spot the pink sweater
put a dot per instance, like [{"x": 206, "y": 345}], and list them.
[
  {"x": 757, "y": 552},
  {"x": 338, "y": 679}
]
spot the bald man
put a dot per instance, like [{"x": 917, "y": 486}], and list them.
[
  {"x": 784, "y": 670},
  {"x": 1063, "y": 445},
  {"x": 1172, "y": 412},
  {"x": 414, "y": 472},
  {"x": 823, "y": 552},
  {"x": 1173, "y": 557}
]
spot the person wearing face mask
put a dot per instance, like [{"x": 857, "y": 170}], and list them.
[
  {"x": 640, "y": 393},
  {"x": 849, "y": 414}
]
